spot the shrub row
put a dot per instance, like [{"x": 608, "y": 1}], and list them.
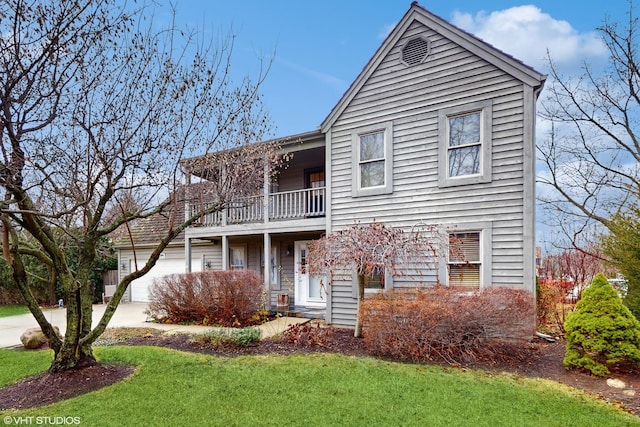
[
  {"x": 443, "y": 324},
  {"x": 228, "y": 298}
]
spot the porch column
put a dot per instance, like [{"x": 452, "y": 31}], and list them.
[
  {"x": 225, "y": 252},
  {"x": 266, "y": 190},
  {"x": 187, "y": 255},
  {"x": 267, "y": 268},
  {"x": 187, "y": 211}
]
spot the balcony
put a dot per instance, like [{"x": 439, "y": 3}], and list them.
[{"x": 282, "y": 206}]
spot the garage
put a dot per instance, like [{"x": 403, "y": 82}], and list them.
[{"x": 140, "y": 287}]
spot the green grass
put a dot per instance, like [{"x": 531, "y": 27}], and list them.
[
  {"x": 181, "y": 389},
  {"x": 12, "y": 310}
]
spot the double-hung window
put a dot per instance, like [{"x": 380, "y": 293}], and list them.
[
  {"x": 465, "y": 265},
  {"x": 373, "y": 160},
  {"x": 465, "y": 145},
  {"x": 238, "y": 257},
  {"x": 375, "y": 280}
]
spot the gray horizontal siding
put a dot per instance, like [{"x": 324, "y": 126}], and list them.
[
  {"x": 410, "y": 98},
  {"x": 343, "y": 305}
]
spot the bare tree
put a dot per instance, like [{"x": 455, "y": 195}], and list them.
[
  {"x": 577, "y": 267},
  {"x": 371, "y": 251},
  {"x": 97, "y": 104},
  {"x": 592, "y": 153}
]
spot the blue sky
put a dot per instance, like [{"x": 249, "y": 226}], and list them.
[{"x": 320, "y": 47}]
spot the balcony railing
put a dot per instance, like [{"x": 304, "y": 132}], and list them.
[{"x": 287, "y": 205}]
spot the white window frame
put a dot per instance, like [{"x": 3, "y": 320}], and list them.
[
  {"x": 484, "y": 108},
  {"x": 243, "y": 248},
  {"x": 388, "y": 284},
  {"x": 485, "y": 228},
  {"x": 387, "y": 188},
  {"x": 464, "y": 263}
]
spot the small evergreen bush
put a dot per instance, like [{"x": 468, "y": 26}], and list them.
[
  {"x": 601, "y": 332},
  {"x": 244, "y": 337}
]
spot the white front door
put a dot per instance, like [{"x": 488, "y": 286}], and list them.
[{"x": 309, "y": 289}]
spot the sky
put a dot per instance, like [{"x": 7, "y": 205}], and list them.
[{"x": 318, "y": 48}]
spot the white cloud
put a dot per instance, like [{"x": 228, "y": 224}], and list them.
[
  {"x": 525, "y": 32},
  {"x": 320, "y": 76}
]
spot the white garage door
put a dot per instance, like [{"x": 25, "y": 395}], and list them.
[{"x": 140, "y": 287}]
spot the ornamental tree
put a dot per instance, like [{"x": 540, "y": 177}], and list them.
[{"x": 376, "y": 249}]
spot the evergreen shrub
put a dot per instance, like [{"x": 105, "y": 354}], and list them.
[{"x": 601, "y": 332}]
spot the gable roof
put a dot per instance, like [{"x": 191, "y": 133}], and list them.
[
  {"x": 148, "y": 231},
  {"x": 498, "y": 58}
]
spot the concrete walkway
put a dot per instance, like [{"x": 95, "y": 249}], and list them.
[{"x": 129, "y": 315}]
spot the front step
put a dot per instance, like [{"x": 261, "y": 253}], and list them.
[{"x": 302, "y": 312}]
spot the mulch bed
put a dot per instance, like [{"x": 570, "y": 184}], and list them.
[
  {"x": 539, "y": 360},
  {"x": 49, "y": 388}
]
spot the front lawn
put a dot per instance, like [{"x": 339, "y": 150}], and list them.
[
  {"x": 184, "y": 389},
  {"x": 12, "y": 310}
]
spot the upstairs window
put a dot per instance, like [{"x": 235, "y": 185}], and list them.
[
  {"x": 464, "y": 143},
  {"x": 373, "y": 160},
  {"x": 464, "y": 155}
]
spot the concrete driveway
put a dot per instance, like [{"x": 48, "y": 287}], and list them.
[
  {"x": 130, "y": 314},
  {"x": 127, "y": 315}
]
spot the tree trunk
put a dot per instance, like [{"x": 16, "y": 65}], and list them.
[
  {"x": 358, "y": 330},
  {"x": 72, "y": 356},
  {"x": 74, "y": 352}
]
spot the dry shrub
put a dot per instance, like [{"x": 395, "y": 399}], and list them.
[
  {"x": 444, "y": 324},
  {"x": 305, "y": 335},
  {"x": 552, "y": 305},
  {"x": 228, "y": 298}
]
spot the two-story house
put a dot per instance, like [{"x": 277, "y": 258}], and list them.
[{"x": 438, "y": 128}]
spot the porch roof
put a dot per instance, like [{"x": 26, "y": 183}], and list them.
[{"x": 288, "y": 144}]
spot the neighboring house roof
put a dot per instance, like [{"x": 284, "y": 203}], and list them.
[{"x": 498, "y": 58}]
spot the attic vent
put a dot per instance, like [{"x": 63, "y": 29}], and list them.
[{"x": 416, "y": 51}]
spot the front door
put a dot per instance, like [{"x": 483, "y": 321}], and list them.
[{"x": 309, "y": 291}]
